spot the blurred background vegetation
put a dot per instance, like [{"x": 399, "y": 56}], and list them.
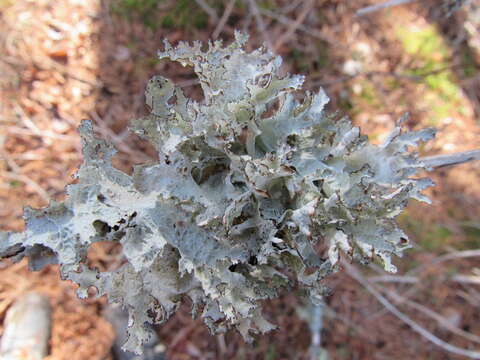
[{"x": 66, "y": 60}]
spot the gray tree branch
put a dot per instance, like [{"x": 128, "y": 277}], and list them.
[
  {"x": 384, "y": 5},
  {"x": 438, "y": 161}
]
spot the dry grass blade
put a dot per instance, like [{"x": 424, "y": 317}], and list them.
[
  {"x": 442, "y": 321},
  {"x": 355, "y": 274},
  {"x": 290, "y": 7},
  {"x": 467, "y": 279}
]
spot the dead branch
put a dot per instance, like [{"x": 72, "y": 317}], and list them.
[
  {"x": 305, "y": 29},
  {"x": 307, "y": 7},
  {"x": 208, "y": 9},
  {"x": 438, "y": 161},
  {"x": 223, "y": 20},
  {"x": 27, "y": 329},
  {"x": 381, "y": 6},
  {"x": 442, "y": 321},
  {"x": 394, "y": 279},
  {"x": 260, "y": 23},
  {"x": 467, "y": 279}
]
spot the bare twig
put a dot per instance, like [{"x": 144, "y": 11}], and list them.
[
  {"x": 188, "y": 83},
  {"x": 329, "y": 312},
  {"x": 467, "y": 279},
  {"x": 290, "y": 6},
  {"x": 27, "y": 328},
  {"x": 316, "y": 327},
  {"x": 354, "y": 273},
  {"x": 381, "y": 6},
  {"x": 294, "y": 25},
  {"x": 410, "y": 279},
  {"x": 472, "y": 296},
  {"x": 222, "y": 345},
  {"x": 223, "y": 20},
  {"x": 447, "y": 257},
  {"x": 442, "y": 321},
  {"x": 457, "y": 255},
  {"x": 117, "y": 140},
  {"x": 307, "y": 30},
  {"x": 451, "y": 159},
  {"x": 182, "y": 334},
  {"x": 394, "y": 279},
  {"x": 260, "y": 23},
  {"x": 208, "y": 9}
]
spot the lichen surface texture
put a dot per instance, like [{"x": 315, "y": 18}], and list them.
[{"x": 254, "y": 191}]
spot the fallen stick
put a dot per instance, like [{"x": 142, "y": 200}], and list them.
[{"x": 27, "y": 329}]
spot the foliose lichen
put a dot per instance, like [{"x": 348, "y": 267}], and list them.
[{"x": 254, "y": 191}]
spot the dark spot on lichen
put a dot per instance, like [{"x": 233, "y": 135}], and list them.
[
  {"x": 101, "y": 227},
  {"x": 232, "y": 267}
]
